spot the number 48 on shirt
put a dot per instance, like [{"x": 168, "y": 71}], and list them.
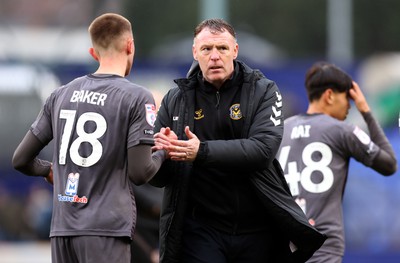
[{"x": 316, "y": 157}]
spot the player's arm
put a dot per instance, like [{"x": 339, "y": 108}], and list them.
[
  {"x": 143, "y": 164},
  {"x": 385, "y": 161},
  {"x": 25, "y": 158}
]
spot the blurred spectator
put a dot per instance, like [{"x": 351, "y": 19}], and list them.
[
  {"x": 38, "y": 209},
  {"x": 13, "y": 224},
  {"x": 145, "y": 243}
]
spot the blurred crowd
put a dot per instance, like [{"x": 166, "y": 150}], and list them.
[{"x": 25, "y": 218}]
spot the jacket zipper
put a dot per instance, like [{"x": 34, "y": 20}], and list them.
[{"x": 218, "y": 98}]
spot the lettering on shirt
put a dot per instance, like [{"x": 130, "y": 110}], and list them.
[
  {"x": 300, "y": 131},
  {"x": 90, "y": 97},
  {"x": 72, "y": 199}
]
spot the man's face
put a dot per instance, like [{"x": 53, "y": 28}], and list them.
[{"x": 215, "y": 53}]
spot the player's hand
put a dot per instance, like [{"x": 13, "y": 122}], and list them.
[
  {"x": 163, "y": 139},
  {"x": 49, "y": 177},
  {"x": 359, "y": 98},
  {"x": 181, "y": 150}
]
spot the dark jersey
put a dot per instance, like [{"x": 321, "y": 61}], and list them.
[
  {"x": 93, "y": 120},
  {"x": 315, "y": 154}
]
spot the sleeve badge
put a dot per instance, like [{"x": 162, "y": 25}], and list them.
[{"x": 150, "y": 114}]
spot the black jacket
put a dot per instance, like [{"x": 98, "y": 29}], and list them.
[{"x": 261, "y": 137}]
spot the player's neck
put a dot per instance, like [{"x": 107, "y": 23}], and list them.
[
  {"x": 111, "y": 66},
  {"x": 110, "y": 70},
  {"x": 316, "y": 108}
]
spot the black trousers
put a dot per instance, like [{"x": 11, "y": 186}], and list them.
[{"x": 205, "y": 244}]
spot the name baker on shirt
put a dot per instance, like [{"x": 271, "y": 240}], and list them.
[{"x": 90, "y": 97}]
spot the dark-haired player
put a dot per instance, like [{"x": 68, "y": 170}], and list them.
[{"x": 317, "y": 147}]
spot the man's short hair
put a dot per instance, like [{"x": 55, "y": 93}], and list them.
[
  {"x": 215, "y": 25},
  {"x": 107, "y": 28}
]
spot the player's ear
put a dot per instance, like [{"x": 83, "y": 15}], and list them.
[
  {"x": 130, "y": 46},
  {"x": 329, "y": 96},
  {"x": 93, "y": 53}
]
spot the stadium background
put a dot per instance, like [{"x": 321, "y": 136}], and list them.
[{"x": 42, "y": 48}]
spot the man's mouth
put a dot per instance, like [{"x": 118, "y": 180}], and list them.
[{"x": 215, "y": 67}]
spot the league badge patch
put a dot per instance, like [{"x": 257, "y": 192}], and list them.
[
  {"x": 361, "y": 135},
  {"x": 150, "y": 114}
]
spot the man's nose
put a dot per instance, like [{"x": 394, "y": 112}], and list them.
[{"x": 214, "y": 54}]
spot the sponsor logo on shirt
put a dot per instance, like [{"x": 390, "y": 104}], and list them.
[
  {"x": 234, "y": 112},
  {"x": 72, "y": 199},
  {"x": 148, "y": 132},
  {"x": 72, "y": 184},
  {"x": 71, "y": 190}
]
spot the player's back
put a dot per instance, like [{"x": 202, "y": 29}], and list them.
[
  {"x": 315, "y": 158},
  {"x": 94, "y": 121},
  {"x": 308, "y": 135}
]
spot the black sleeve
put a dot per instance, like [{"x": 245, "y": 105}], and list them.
[
  {"x": 143, "y": 164},
  {"x": 385, "y": 162},
  {"x": 263, "y": 135},
  {"x": 25, "y": 157}
]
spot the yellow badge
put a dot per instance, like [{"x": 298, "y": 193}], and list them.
[
  {"x": 234, "y": 112},
  {"x": 198, "y": 114}
]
